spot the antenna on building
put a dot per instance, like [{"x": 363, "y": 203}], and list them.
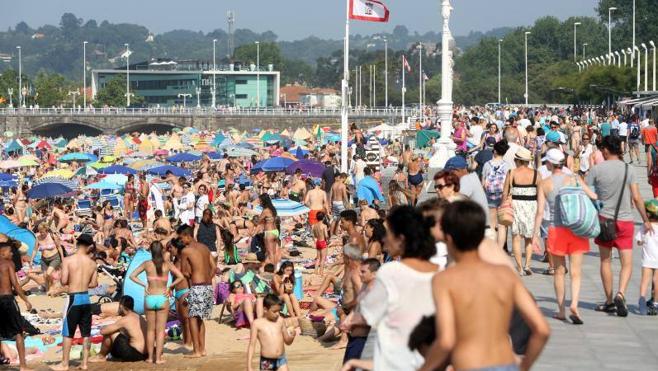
[{"x": 230, "y": 17}]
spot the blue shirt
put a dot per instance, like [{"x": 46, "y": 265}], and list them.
[
  {"x": 605, "y": 129},
  {"x": 368, "y": 189}
]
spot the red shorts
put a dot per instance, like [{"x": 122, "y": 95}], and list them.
[
  {"x": 313, "y": 217},
  {"x": 563, "y": 242},
  {"x": 624, "y": 240},
  {"x": 654, "y": 185},
  {"x": 320, "y": 245}
]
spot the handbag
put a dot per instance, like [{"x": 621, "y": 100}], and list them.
[
  {"x": 505, "y": 213},
  {"x": 609, "y": 226}
]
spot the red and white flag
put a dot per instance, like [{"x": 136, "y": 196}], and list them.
[
  {"x": 368, "y": 10},
  {"x": 405, "y": 64}
]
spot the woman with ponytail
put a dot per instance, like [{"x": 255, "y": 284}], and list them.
[{"x": 156, "y": 300}]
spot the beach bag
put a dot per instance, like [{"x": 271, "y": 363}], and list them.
[
  {"x": 495, "y": 180},
  {"x": 635, "y": 131},
  {"x": 575, "y": 210},
  {"x": 609, "y": 226},
  {"x": 505, "y": 213}
]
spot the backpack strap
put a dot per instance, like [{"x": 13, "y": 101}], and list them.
[{"x": 621, "y": 195}]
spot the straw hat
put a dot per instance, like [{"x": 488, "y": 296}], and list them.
[
  {"x": 523, "y": 154},
  {"x": 250, "y": 258}
]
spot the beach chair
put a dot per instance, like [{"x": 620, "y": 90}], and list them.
[
  {"x": 115, "y": 201},
  {"x": 83, "y": 208},
  {"x": 107, "y": 192}
]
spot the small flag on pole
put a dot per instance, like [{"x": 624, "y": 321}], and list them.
[
  {"x": 405, "y": 64},
  {"x": 368, "y": 10}
]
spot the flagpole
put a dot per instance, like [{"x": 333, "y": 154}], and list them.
[
  {"x": 346, "y": 76},
  {"x": 420, "y": 80},
  {"x": 403, "y": 89}
]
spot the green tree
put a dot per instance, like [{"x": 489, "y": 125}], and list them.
[
  {"x": 113, "y": 94},
  {"x": 52, "y": 89}
]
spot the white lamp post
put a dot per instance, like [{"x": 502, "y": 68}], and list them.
[
  {"x": 445, "y": 147},
  {"x": 610, "y": 10},
  {"x": 636, "y": 49},
  {"x": 618, "y": 59},
  {"x": 584, "y": 47},
  {"x": 198, "y": 97},
  {"x": 646, "y": 66},
  {"x": 214, "y": 72},
  {"x": 623, "y": 51},
  {"x": 500, "y": 41},
  {"x": 613, "y": 61},
  {"x": 420, "y": 80},
  {"x": 257, "y": 74},
  {"x": 526, "y": 66},
  {"x": 653, "y": 48},
  {"x": 127, "y": 54},
  {"x": 575, "y": 50},
  {"x": 74, "y": 93},
  {"x": 580, "y": 68},
  {"x": 20, "y": 77},
  {"x": 184, "y": 96},
  {"x": 634, "y": 46},
  {"x": 84, "y": 75}
]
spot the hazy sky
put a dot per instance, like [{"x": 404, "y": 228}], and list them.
[{"x": 292, "y": 19}]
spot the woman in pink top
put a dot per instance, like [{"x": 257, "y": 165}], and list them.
[{"x": 459, "y": 137}]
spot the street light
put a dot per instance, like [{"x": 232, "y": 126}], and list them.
[
  {"x": 646, "y": 66},
  {"x": 499, "y": 77},
  {"x": 639, "y": 55},
  {"x": 575, "y": 50},
  {"x": 198, "y": 97},
  {"x": 610, "y": 10},
  {"x": 653, "y": 47},
  {"x": 20, "y": 77},
  {"x": 420, "y": 80},
  {"x": 618, "y": 59},
  {"x": 127, "y": 54},
  {"x": 257, "y": 74},
  {"x": 184, "y": 96},
  {"x": 584, "y": 46},
  {"x": 214, "y": 72},
  {"x": 633, "y": 54},
  {"x": 526, "y": 66},
  {"x": 74, "y": 93},
  {"x": 623, "y": 51}
]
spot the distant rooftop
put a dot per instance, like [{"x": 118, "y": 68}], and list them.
[{"x": 166, "y": 64}]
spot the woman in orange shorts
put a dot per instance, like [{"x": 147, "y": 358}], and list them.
[{"x": 561, "y": 242}]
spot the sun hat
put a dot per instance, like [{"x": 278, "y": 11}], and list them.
[
  {"x": 250, "y": 258},
  {"x": 523, "y": 154}
]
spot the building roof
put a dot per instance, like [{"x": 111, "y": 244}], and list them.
[{"x": 294, "y": 93}]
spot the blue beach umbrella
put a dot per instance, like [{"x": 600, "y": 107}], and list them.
[
  {"x": 48, "y": 190},
  {"x": 79, "y": 157},
  {"x": 175, "y": 170},
  {"x": 117, "y": 169},
  {"x": 277, "y": 164},
  {"x": 183, "y": 157}
]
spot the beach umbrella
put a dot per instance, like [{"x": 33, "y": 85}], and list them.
[
  {"x": 57, "y": 180},
  {"x": 59, "y": 173},
  {"x": 43, "y": 145},
  {"x": 175, "y": 170},
  {"x": 219, "y": 138},
  {"x": 104, "y": 185},
  {"x": 25, "y": 236},
  {"x": 183, "y": 157},
  {"x": 6, "y": 176},
  {"x": 308, "y": 167},
  {"x": 276, "y": 164},
  {"x": 14, "y": 146},
  {"x": 6, "y": 184},
  {"x": 142, "y": 165},
  {"x": 61, "y": 143},
  {"x": 215, "y": 155},
  {"x": 423, "y": 137},
  {"x": 300, "y": 153},
  {"x": 286, "y": 208},
  {"x": 10, "y": 164},
  {"x": 119, "y": 179},
  {"x": 48, "y": 190},
  {"x": 240, "y": 152},
  {"x": 78, "y": 157},
  {"x": 86, "y": 171},
  {"x": 258, "y": 166},
  {"x": 117, "y": 169},
  {"x": 27, "y": 162},
  {"x": 161, "y": 152}
]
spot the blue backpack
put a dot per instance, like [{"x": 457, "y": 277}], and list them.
[{"x": 576, "y": 211}]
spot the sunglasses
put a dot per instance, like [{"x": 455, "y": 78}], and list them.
[
  {"x": 237, "y": 286},
  {"x": 441, "y": 186}
]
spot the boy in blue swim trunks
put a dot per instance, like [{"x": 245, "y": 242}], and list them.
[{"x": 272, "y": 334}]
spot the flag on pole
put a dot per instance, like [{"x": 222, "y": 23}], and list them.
[
  {"x": 368, "y": 10},
  {"x": 126, "y": 54},
  {"x": 405, "y": 64},
  {"x": 425, "y": 77}
]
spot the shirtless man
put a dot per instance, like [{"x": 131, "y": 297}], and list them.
[
  {"x": 198, "y": 266},
  {"x": 316, "y": 200},
  {"x": 79, "y": 273},
  {"x": 476, "y": 336},
  {"x": 60, "y": 218},
  {"x": 340, "y": 199},
  {"x": 270, "y": 331},
  {"x": 125, "y": 339},
  {"x": 176, "y": 191},
  {"x": 348, "y": 224},
  {"x": 11, "y": 326},
  {"x": 298, "y": 187},
  {"x": 161, "y": 222},
  {"x": 367, "y": 213}
]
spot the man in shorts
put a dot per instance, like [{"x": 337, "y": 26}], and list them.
[
  {"x": 125, "y": 339},
  {"x": 607, "y": 178}
]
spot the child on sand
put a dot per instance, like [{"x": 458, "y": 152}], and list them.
[
  {"x": 649, "y": 243},
  {"x": 271, "y": 333},
  {"x": 321, "y": 235},
  {"x": 11, "y": 326}
]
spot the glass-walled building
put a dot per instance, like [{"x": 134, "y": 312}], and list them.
[{"x": 161, "y": 82}]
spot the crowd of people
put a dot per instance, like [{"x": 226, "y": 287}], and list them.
[{"x": 408, "y": 269}]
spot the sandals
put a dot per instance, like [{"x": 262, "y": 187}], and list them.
[
  {"x": 606, "y": 307},
  {"x": 548, "y": 272},
  {"x": 576, "y": 320},
  {"x": 620, "y": 304},
  {"x": 527, "y": 271}
]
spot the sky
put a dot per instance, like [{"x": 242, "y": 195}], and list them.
[{"x": 293, "y": 19}]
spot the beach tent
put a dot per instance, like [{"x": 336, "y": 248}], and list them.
[
  {"x": 423, "y": 137},
  {"x": 301, "y": 134},
  {"x": 14, "y": 147},
  {"x": 174, "y": 142},
  {"x": 146, "y": 146},
  {"x": 120, "y": 148}
]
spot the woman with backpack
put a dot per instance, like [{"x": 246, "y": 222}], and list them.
[
  {"x": 562, "y": 242},
  {"x": 493, "y": 180}
]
